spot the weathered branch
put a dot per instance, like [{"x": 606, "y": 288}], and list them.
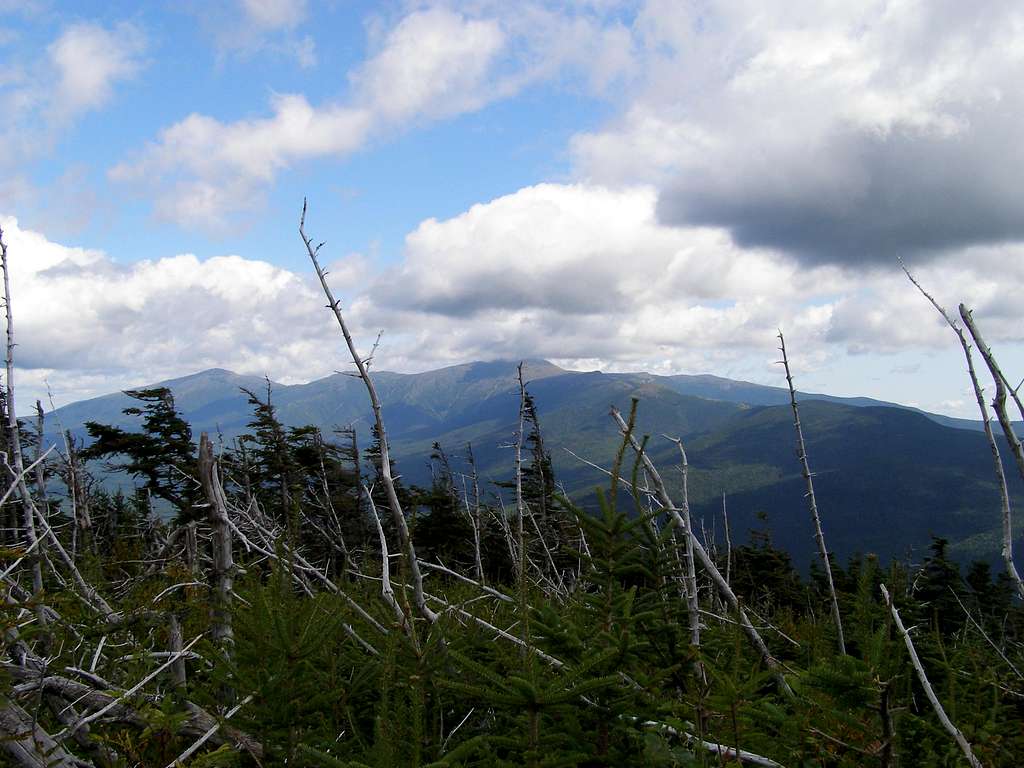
[
  {"x": 979, "y": 396},
  {"x": 14, "y": 435},
  {"x": 707, "y": 563},
  {"x": 692, "y": 598},
  {"x": 221, "y": 631},
  {"x": 385, "y": 458},
  {"x": 387, "y": 592},
  {"x": 812, "y": 503},
  {"x": 929, "y": 692},
  {"x": 24, "y": 741}
]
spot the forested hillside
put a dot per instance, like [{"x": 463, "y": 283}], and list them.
[{"x": 739, "y": 436}]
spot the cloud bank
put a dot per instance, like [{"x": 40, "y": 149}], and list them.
[
  {"x": 844, "y": 133},
  {"x": 581, "y": 274}
]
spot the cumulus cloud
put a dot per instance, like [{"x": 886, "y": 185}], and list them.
[
  {"x": 838, "y": 132},
  {"x": 579, "y": 248},
  {"x": 89, "y": 324},
  {"x": 589, "y": 276},
  {"x": 203, "y": 170},
  {"x": 581, "y": 274},
  {"x": 433, "y": 63}
]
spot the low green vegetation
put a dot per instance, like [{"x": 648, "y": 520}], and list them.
[{"x": 583, "y": 658}]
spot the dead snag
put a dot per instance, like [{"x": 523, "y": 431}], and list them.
[{"x": 805, "y": 469}]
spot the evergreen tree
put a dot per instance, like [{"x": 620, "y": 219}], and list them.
[
  {"x": 442, "y": 530},
  {"x": 764, "y": 575},
  {"x": 162, "y": 455},
  {"x": 376, "y": 482},
  {"x": 938, "y": 586},
  {"x": 272, "y": 470}
]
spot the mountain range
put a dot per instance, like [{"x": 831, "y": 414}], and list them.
[{"x": 887, "y": 477}]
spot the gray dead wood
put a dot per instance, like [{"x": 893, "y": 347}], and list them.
[
  {"x": 728, "y": 542},
  {"x": 174, "y": 643},
  {"x": 475, "y": 516},
  {"x": 387, "y": 592},
  {"x": 397, "y": 514},
  {"x": 999, "y": 406},
  {"x": 26, "y": 744},
  {"x": 692, "y": 598},
  {"x": 14, "y": 438},
  {"x": 812, "y": 503},
  {"x": 979, "y": 396},
  {"x": 707, "y": 563},
  {"x": 88, "y": 592},
  {"x": 117, "y": 709},
  {"x": 222, "y": 572},
  {"x": 520, "y": 560},
  {"x": 955, "y": 732}
]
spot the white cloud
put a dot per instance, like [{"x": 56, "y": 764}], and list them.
[
  {"x": 89, "y": 324},
  {"x": 843, "y": 132},
  {"x": 433, "y": 63},
  {"x": 274, "y": 14},
  {"x": 203, "y": 170},
  {"x": 42, "y": 94},
  {"x": 582, "y": 275},
  {"x": 89, "y": 60},
  {"x": 587, "y": 274}
]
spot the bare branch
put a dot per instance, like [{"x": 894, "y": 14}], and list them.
[
  {"x": 385, "y": 458},
  {"x": 929, "y": 692},
  {"x": 812, "y": 503},
  {"x": 706, "y": 562},
  {"x": 979, "y": 396}
]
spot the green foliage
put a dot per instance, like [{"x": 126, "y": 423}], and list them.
[
  {"x": 162, "y": 455},
  {"x": 442, "y": 530},
  {"x": 600, "y": 670}
]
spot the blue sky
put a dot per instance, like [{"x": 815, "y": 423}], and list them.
[
  {"x": 433, "y": 168},
  {"x": 650, "y": 184}
]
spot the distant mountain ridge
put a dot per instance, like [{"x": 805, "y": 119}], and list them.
[{"x": 887, "y": 476}]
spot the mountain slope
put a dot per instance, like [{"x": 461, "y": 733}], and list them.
[{"x": 887, "y": 477}]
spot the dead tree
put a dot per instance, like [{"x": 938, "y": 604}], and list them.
[
  {"x": 805, "y": 469},
  {"x": 14, "y": 438},
  {"x": 999, "y": 402},
  {"x": 398, "y": 516},
  {"x": 75, "y": 479},
  {"x": 928, "y": 690},
  {"x": 728, "y": 542},
  {"x": 474, "y": 514},
  {"x": 999, "y": 406},
  {"x": 26, "y": 744},
  {"x": 986, "y": 421},
  {"x": 223, "y": 554},
  {"x": 520, "y": 560},
  {"x": 692, "y": 598},
  {"x": 40, "y": 465},
  {"x": 706, "y": 562}
]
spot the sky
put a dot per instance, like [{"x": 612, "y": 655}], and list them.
[{"x": 652, "y": 185}]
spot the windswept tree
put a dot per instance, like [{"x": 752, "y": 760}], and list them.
[
  {"x": 442, "y": 529},
  {"x": 162, "y": 455}
]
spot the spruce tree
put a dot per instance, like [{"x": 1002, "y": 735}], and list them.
[{"x": 162, "y": 455}]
